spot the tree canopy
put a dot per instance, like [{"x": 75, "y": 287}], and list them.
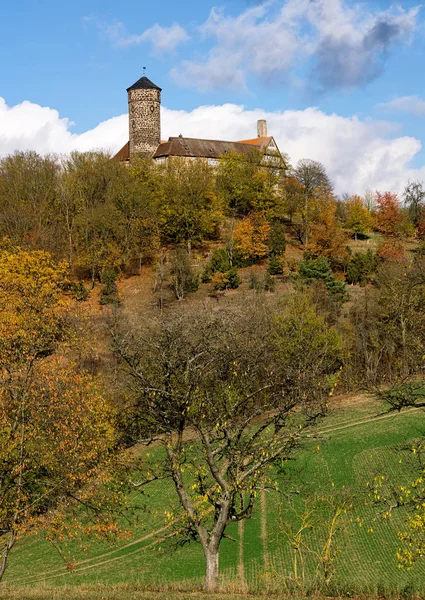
[{"x": 226, "y": 401}]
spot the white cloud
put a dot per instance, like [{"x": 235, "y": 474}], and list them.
[
  {"x": 343, "y": 46},
  {"x": 28, "y": 126},
  {"x": 358, "y": 154},
  {"x": 405, "y": 104},
  {"x": 219, "y": 74},
  {"x": 163, "y": 39}
]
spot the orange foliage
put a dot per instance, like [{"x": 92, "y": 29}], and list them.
[
  {"x": 327, "y": 239},
  {"x": 56, "y": 429},
  {"x": 391, "y": 250},
  {"x": 251, "y": 236},
  {"x": 420, "y": 229},
  {"x": 388, "y": 216}
]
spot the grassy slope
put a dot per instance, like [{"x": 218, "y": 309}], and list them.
[{"x": 352, "y": 450}]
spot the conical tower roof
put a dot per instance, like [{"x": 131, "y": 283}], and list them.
[{"x": 144, "y": 84}]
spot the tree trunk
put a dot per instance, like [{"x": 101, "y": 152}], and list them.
[
  {"x": 211, "y": 571},
  {"x": 6, "y": 550},
  {"x": 306, "y": 202},
  {"x": 70, "y": 244}
]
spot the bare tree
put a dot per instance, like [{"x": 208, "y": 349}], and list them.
[
  {"x": 226, "y": 394},
  {"x": 414, "y": 197}
]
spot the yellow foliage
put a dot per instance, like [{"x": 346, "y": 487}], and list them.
[
  {"x": 251, "y": 236},
  {"x": 56, "y": 428}
]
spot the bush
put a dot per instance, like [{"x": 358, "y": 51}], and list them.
[
  {"x": 390, "y": 250},
  {"x": 219, "y": 263},
  {"x": 277, "y": 240},
  {"x": 184, "y": 280},
  {"x": 311, "y": 269},
  {"x": 233, "y": 277},
  {"x": 361, "y": 267},
  {"x": 254, "y": 283},
  {"x": 266, "y": 283},
  {"x": 276, "y": 265},
  {"x": 109, "y": 292},
  {"x": 420, "y": 250},
  {"x": 226, "y": 281},
  {"x": 79, "y": 290},
  {"x": 269, "y": 282}
]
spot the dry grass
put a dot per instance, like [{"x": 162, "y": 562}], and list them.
[
  {"x": 115, "y": 592},
  {"x": 131, "y": 592}
]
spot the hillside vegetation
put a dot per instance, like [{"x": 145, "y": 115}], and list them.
[{"x": 172, "y": 340}]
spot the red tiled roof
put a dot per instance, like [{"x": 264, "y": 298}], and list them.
[
  {"x": 123, "y": 154},
  {"x": 261, "y": 142}
]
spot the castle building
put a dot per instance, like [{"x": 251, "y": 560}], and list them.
[{"x": 144, "y": 112}]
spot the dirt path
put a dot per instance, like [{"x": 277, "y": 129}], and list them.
[{"x": 366, "y": 420}]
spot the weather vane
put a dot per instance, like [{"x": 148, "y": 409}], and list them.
[{"x": 144, "y": 70}]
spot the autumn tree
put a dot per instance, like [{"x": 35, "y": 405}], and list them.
[
  {"x": 55, "y": 427},
  {"x": 190, "y": 211},
  {"x": 294, "y": 198},
  {"x": 141, "y": 207},
  {"x": 359, "y": 219},
  {"x": 390, "y": 249},
  {"x": 245, "y": 185},
  {"x": 402, "y": 341},
  {"x": 28, "y": 195},
  {"x": 226, "y": 395},
  {"x": 388, "y": 216},
  {"x": 388, "y": 327},
  {"x": 56, "y": 431},
  {"x": 84, "y": 207},
  {"x": 405, "y": 493},
  {"x": 94, "y": 224},
  {"x": 251, "y": 237},
  {"x": 327, "y": 239},
  {"x": 312, "y": 176},
  {"x": 108, "y": 212}
]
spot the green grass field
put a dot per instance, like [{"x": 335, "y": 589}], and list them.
[{"x": 354, "y": 446}]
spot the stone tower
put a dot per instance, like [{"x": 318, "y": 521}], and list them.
[{"x": 144, "y": 112}]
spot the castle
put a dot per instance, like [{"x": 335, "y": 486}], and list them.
[{"x": 144, "y": 112}]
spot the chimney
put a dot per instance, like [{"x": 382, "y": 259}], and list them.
[{"x": 262, "y": 128}]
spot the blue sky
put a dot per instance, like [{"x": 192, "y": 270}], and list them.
[{"x": 332, "y": 77}]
